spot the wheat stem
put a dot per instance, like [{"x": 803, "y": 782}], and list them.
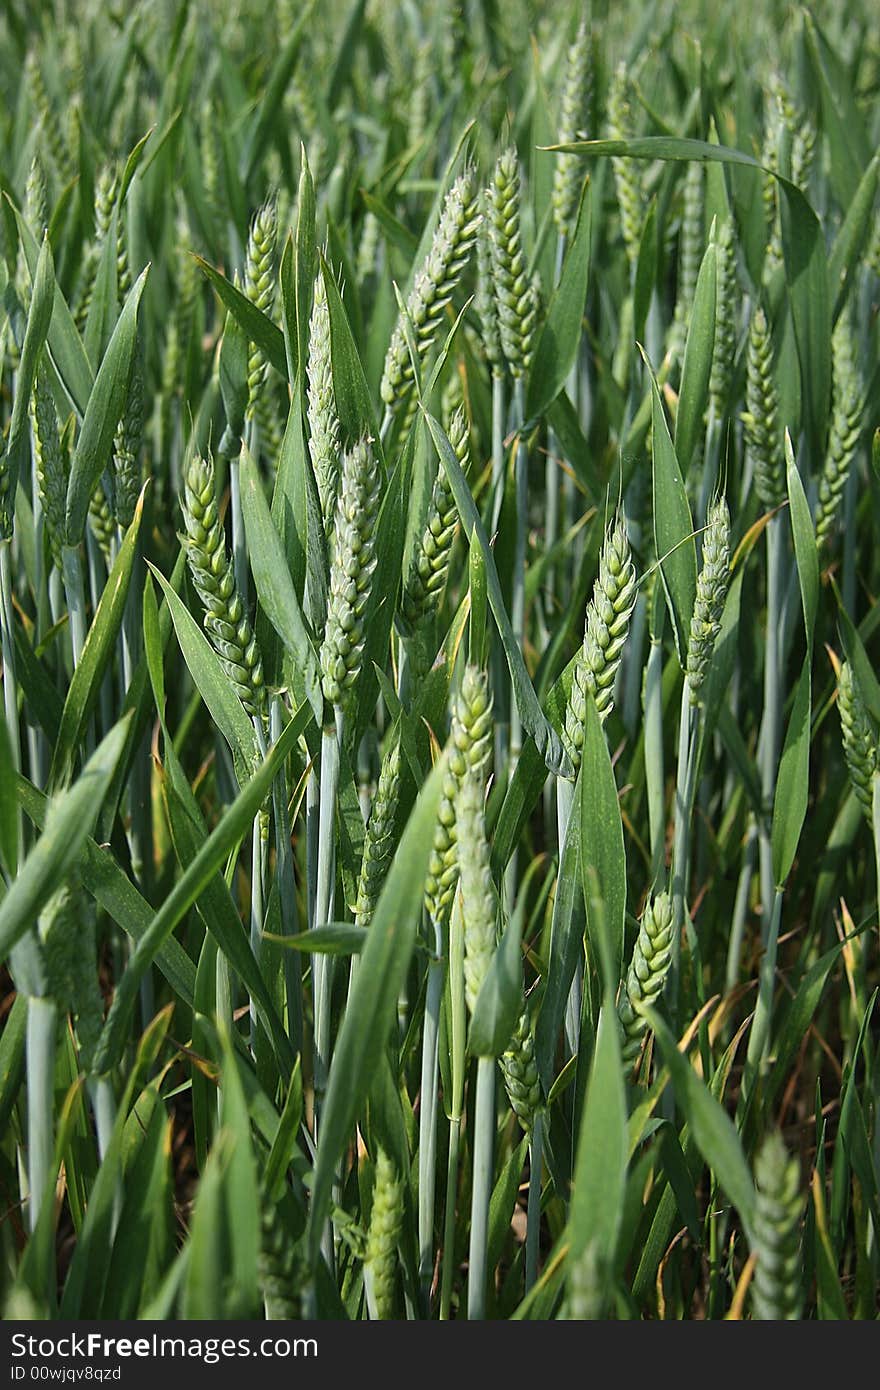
[
  {"x": 240, "y": 566},
  {"x": 759, "y": 1034},
  {"x": 741, "y": 907},
  {"x": 498, "y": 667},
  {"x": 457, "y": 1016},
  {"x": 286, "y": 889},
  {"x": 565, "y": 790},
  {"x": 428, "y": 1115},
  {"x": 449, "y": 1224},
  {"x": 71, "y": 569},
  {"x": 326, "y": 871},
  {"x": 7, "y": 647},
  {"x": 771, "y": 725},
  {"x": 42, "y": 1019},
  {"x": 654, "y": 773},
  {"x": 684, "y": 797},
  {"x": 533, "y": 1210},
  {"x": 259, "y": 847},
  {"x": 484, "y": 1144},
  {"x": 518, "y": 604}
]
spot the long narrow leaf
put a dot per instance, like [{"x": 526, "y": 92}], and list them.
[
  {"x": 102, "y": 414},
  {"x": 69, "y": 820}
]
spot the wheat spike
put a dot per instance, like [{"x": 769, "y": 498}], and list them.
[
  {"x": 226, "y": 621},
  {"x": 608, "y": 618}
]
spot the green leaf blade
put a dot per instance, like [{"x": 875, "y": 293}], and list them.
[
  {"x": 69, "y": 821},
  {"x": 274, "y": 585},
  {"x": 561, "y": 333},
  {"x": 85, "y": 684},
  {"x": 603, "y": 856},
  {"x": 102, "y": 413},
  {"x": 673, "y": 528},
  {"x": 599, "y": 1178}
]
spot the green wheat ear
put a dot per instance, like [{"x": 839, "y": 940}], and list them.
[
  {"x": 105, "y": 197},
  {"x": 776, "y": 1284},
  {"x": 179, "y": 333},
  {"x": 36, "y": 197},
  {"x": 691, "y": 246},
  {"x": 844, "y": 431},
  {"x": 479, "y": 899},
  {"x": 761, "y": 418},
  {"x": 608, "y": 619},
  {"x": 803, "y": 137},
  {"x": 859, "y": 740},
  {"x": 484, "y": 297},
  {"x": 770, "y": 160},
  {"x": 627, "y": 173},
  {"x": 101, "y": 522},
  {"x": 519, "y": 1070},
  {"x": 646, "y": 976},
  {"x": 429, "y": 567},
  {"x": 352, "y": 562},
  {"x": 51, "y": 463},
  {"x": 386, "y": 1219},
  {"x": 470, "y": 749},
  {"x": 725, "y": 323},
  {"x": 379, "y": 837},
  {"x": 127, "y": 447},
  {"x": 70, "y": 956},
  {"x": 280, "y": 1266},
  {"x": 574, "y": 111},
  {"x": 324, "y": 430},
  {"x": 785, "y": 121},
  {"x": 712, "y": 585},
  {"x": 516, "y": 301},
  {"x": 433, "y": 287},
  {"x": 259, "y": 286},
  {"x": 369, "y": 249},
  {"x": 48, "y": 117},
  {"x": 226, "y": 621}
]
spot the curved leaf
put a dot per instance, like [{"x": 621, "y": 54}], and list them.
[
  {"x": 697, "y": 365},
  {"x": 852, "y": 236},
  {"x": 805, "y": 550},
  {"x": 673, "y": 528},
  {"x": 599, "y": 1178},
  {"x": 69, "y": 821},
  {"x": 566, "y": 944},
  {"x": 85, "y": 684},
  {"x": 712, "y": 1128},
  {"x": 261, "y": 331},
  {"x": 558, "y": 343},
  {"x": 36, "y": 331},
  {"x": 105, "y": 405},
  {"x": 500, "y": 998},
  {"x": 792, "y": 782},
  {"x": 602, "y": 848},
  {"x": 353, "y": 400},
  {"x": 65, "y": 343},
  {"x": 223, "y": 704},
  {"x": 116, "y": 894},
  {"x": 274, "y": 585}
]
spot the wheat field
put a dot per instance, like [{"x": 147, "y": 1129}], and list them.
[{"x": 439, "y": 775}]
